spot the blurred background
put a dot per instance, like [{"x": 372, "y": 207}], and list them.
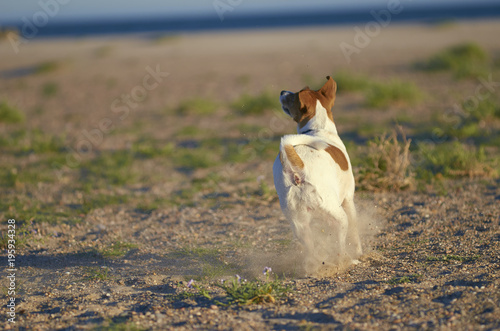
[{"x": 79, "y": 18}]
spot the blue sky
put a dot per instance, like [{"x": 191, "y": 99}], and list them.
[{"x": 14, "y": 10}]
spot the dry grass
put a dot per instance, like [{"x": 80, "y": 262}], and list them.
[{"x": 387, "y": 165}]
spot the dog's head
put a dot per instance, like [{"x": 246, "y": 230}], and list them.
[{"x": 301, "y": 106}]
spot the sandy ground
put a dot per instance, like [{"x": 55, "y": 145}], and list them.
[{"x": 432, "y": 260}]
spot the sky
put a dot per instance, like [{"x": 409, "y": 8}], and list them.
[{"x": 15, "y": 10}]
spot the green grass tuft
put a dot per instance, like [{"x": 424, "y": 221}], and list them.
[
  {"x": 452, "y": 160},
  {"x": 24, "y": 235},
  {"x": 117, "y": 249},
  {"x": 197, "y": 106},
  {"x": 35, "y": 211},
  {"x": 451, "y": 257},
  {"x": 380, "y": 95},
  {"x": 110, "y": 168},
  {"x": 190, "y": 131},
  {"x": 9, "y": 114},
  {"x": 98, "y": 201},
  {"x": 118, "y": 326},
  {"x": 413, "y": 278},
  {"x": 464, "y": 60},
  {"x": 21, "y": 142},
  {"x": 377, "y": 94},
  {"x": 47, "y": 67},
  {"x": 194, "y": 158},
  {"x": 242, "y": 292},
  {"x": 149, "y": 148},
  {"x": 97, "y": 273}
]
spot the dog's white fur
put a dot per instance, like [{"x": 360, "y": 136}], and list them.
[{"x": 313, "y": 176}]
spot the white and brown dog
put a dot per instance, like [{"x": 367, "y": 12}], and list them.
[{"x": 314, "y": 179}]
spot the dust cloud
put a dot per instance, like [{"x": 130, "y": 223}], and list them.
[{"x": 292, "y": 262}]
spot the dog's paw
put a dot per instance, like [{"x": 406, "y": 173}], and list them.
[{"x": 356, "y": 261}]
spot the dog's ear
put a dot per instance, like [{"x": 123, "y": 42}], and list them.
[{"x": 329, "y": 89}]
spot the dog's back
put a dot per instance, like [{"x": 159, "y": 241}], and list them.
[{"x": 320, "y": 180}]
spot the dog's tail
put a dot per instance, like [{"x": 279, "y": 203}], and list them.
[{"x": 290, "y": 161}]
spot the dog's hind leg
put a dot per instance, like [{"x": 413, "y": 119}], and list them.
[
  {"x": 339, "y": 222},
  {"x": 301, "y": 225},
  {"x": 353, "y": 241}
]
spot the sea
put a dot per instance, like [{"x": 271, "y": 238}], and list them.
[{"x": 260, "y": 20}]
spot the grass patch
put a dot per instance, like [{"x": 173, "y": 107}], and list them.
[
  {"x": 31, "y": 174},
  {"x": 50, "y": 89},
  {"x": 118, "y": 326},
  {"x": 197, "y": 106},
  {"x": 463, "y": 60},
  {"x": 251, "y": 150},
  {"x": 25, "y": 234},
  {"x": 450, "y": 258},
  {"x": 256, "y": 104},
  {"x": 190, "y": 131},
  {"x": 97, "y": 273},
  {"x": 148, "y": 148},
  {"x": 241, "y": 292},
  {"x": 484, "y": 110},
  {"x": 413, "y": 278},
  {"x": 34, "y": 211},
  {"x": 194, "y": 158},
  {"x": 110, "y": 168},
  {"x": 47, "y": 67},
  {"x": 393, "y": 93},
  {"x": 100, "y": 201},
  {"x": 35, "y": 141},
  {"x": 377, "y": 94},
  {"x": 23, "y": 142},
  {"x": 207, "y": 185},
  {"x": 117, "y": 249},
  {"x": 474, "y": 121},
  {"x": 453, "y": 160},
  {"x": 41, "y": 143},
  {"x": 387, "y": 164},
  {"x": 9, "y": 114}
]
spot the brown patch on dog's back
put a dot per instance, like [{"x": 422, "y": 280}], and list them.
[{"x": 338, "y": 156}]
